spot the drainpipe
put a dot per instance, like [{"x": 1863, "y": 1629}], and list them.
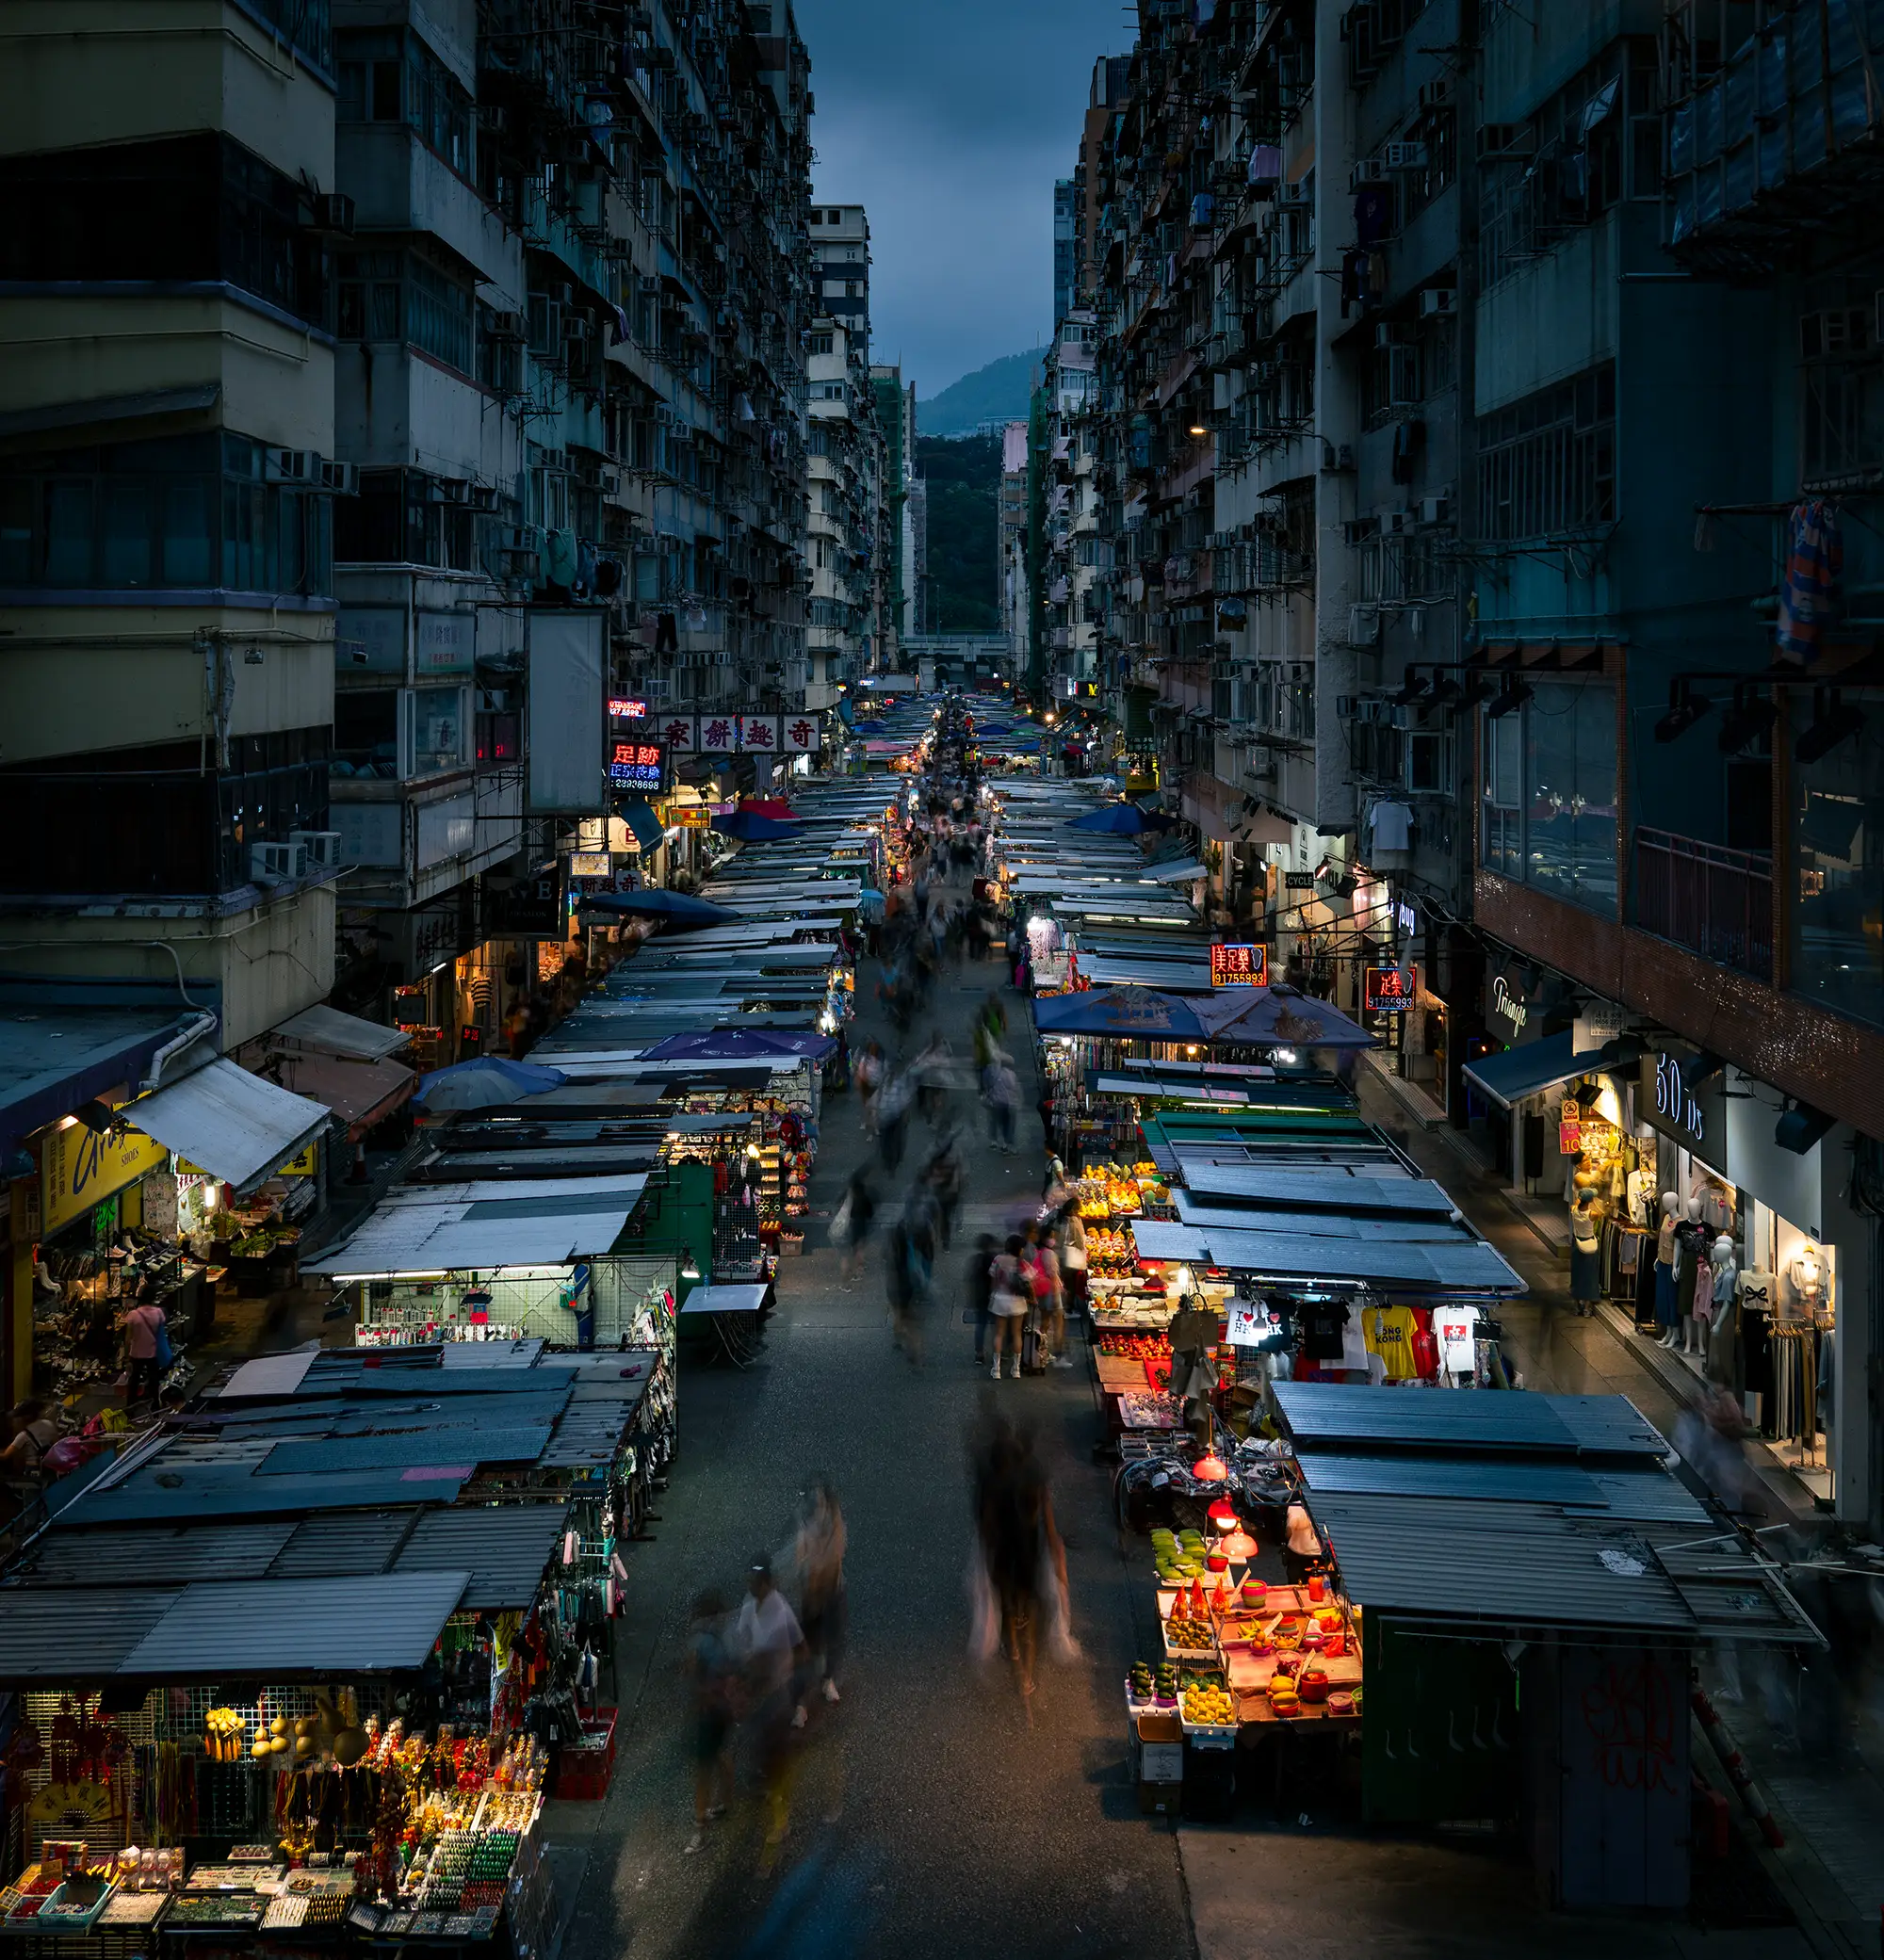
[{"x": 202, "y": 1024}]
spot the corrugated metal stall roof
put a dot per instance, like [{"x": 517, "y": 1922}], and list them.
[
  {"x": 1320, "y": 1415},
  {"x": 1642, "y": 1493},
  {"x": 464, "y": 1444},
  {"x": 286, "y": 1626},
  {"x": 1465, "y": 1265},
  {"x": 77, "y": 1636},
  {"x": 1366, "y": 1185},
  {"x": 180, "y": 1554},
  {"x": 343, "y": 1543},
  {"x": 506, "y": 1547},
  {"x": 208, "y": 1494}
]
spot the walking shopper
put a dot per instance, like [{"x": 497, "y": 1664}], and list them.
[
  {"x": 981, "y": 1291},
  {"x": 770, "y": 1645},
  {"x": 850, "y": 1228},
  {"x": 711, "y": 1674},
  {"x": 146, "y": 1337},
  {"x": 1072, "y": 1246},
  {"x": 1009, "y": 1298},
  {"x": 823, "y": 1603},
  {"x": 1043, "y": 1264},
  {"x": 1025, "y": 1557}
]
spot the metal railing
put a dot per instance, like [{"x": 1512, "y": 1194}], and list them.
[{"x": 1714, "y": 902}]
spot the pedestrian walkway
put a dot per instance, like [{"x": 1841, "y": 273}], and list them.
[{"x": 929, "y": 1819}]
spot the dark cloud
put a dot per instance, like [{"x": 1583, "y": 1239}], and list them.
[{"x": 948, "y": 122}]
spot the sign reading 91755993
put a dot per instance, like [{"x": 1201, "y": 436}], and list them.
[
  {"x": 637, "y": 766},
  {"x": 1239, "y": 966}
]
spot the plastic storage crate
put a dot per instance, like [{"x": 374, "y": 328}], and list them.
[{"x": 584, "y": 1770}]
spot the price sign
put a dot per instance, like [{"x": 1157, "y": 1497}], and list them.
[
  {"x": 1239, "y": 966},
  {"x": 1387, "y": 990},
  {"x": 637, "y": 766}
]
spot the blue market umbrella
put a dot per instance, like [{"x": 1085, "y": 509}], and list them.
[
  {"x": 676, "y": 909},
  {"x": 484, "y": 1084},
  {"x": 1278, "y": 1018},
  {"x": 1119, "y": 820},
  {"x": 749, "y": 827},
  {"x": 1126, "y": 1012}
]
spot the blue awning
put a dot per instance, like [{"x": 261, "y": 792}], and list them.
[
  {"x": 1510, "y": 1077},
  {"x": 53, "y": 1058},
  {"x": 643, "y": 824}
]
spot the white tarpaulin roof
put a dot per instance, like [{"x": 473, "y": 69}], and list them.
[
  {"x": 341, "y": 1034},
  {"x": 478, "y": 1227},
  {"x": 229, "y": 1123}
]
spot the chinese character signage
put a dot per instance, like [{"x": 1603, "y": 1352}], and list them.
[
  {"x": 733, "y": 733},
  {"x": 637, "y": 766},
  {"x": 717, "y": 735},
  {"x": 799, "y": 734},
  {"x": 1239, "y": 966},
  {"x": 626, "y": 708},
  {"x": 1387, "y": 990},
  {"x": 759, "y": 734}
]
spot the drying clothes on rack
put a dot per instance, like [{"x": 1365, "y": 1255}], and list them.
[
  {"x": 1795, "y": 1381},
  {"x": 1391, "y": 825},
  {"x": 1809, "y": 592}
]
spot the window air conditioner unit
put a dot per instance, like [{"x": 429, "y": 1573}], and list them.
[
  {"x": 1438, "y": 300},
  {"x": 486, "y": 497},
  {"x": 1392, "y": 523},
  {"x": 340, "y": 479},
  {"x": 1403, "y": 157},
  {"x": 1299, "y": 192},
  {"x": 507, "y": 326},
  {"x": 1436, "y": 94},
  {"x": 332, "y": 212},
  {"x": 1435, "y": 509},
  {"x": 318, "y": 849},
  {"x": 1388, "y": 333},
  {"x": 1368, "y": 170},
  {"x": 274, "y": 864},
  {"x": 524, "y": 540}
]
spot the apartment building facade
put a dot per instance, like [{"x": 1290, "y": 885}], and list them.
[{"x": 1464, "y": 376}]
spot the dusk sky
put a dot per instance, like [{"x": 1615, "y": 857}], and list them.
[{"x": 948, "y": 122}]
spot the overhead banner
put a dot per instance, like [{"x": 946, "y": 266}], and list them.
[
  {"x": 568, "y": 714},
  {"x": 80, "y": 1169}
]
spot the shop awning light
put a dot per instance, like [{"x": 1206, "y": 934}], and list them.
[
  {"x": 1834, "y": 721},
  {"x": 1686, "y": 707}
]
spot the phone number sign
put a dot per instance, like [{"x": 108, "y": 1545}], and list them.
[
  {"x": 637, "y": 766},
  {"x": 1239, "y": 966}
]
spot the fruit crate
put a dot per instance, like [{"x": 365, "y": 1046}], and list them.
[{"x": 584, "y": 1770}]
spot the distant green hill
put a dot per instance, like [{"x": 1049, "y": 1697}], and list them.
[{"x": 996, "y": 393}]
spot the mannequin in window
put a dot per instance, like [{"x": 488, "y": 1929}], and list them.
[
  {"x": 1805, "y": 1274},
  {"x": 1723, "y": 1272},
  {"x": 1667, "y": 1258},
  {"x": 1694, "y": 1284}
]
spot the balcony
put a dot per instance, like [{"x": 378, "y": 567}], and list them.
[{"x": 1714, "y": 902}]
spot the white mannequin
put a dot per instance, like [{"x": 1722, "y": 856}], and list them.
[
  {"x": 1726, "y": 1271},
  {"x": 1807, "y": 1273}
]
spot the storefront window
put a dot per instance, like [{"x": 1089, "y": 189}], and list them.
[
  {"x": 1548, "y": 808},
  {"x": 1838, "y": 912}
]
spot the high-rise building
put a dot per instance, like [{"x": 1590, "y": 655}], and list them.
[
  {"x": 896, "y": 416},
  {"x": 1065, "y": 247}
]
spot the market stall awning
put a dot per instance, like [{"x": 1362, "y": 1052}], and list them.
[
  {"x": 361, "y": 1094},
  {"x": 1123, "y": 1012},
  {"x": 383, "y": 1624},
  {"x": 1328, "y": 1415},
  {"x": 1467, "y": 1266},
  {"x": 506, "y": 1547},
  {"x": 1335, "y": 1186},
  {"x": 328, "y": 1028},
  {"x": 1510, "y": 1077},
  {"x": 53, "y": 1058},
  {"x": 485, "y": 1226},
  {"x": 1644, "y": 1491},
  {"x": 1269, "y": 1017},
  {"x": 1185, "y": 873},
  {"x": 224, "y": 1119}
]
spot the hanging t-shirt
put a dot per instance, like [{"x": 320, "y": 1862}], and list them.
[
  {"x": 1389, "y": 1331},
  {"x": 1321, "y": 1332},
  {"x": 1392, "y": 826}
]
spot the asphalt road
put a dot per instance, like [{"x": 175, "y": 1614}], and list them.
[{"x": 929, "y": 1818}]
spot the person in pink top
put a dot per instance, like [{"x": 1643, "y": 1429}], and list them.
[{"x": 143, "y": 1323}]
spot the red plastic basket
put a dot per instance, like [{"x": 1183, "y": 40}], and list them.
[{"x": 585, "y": 1770}]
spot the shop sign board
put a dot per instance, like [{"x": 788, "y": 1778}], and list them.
[
  {"x": 1239, "y": 966},
  {"x": 696, "y": 817},
  {"x": 627, "y": 708},
  {"x": 590, "y": 863},
  {"x": 639, "y": 765},
  {"x": 447, "y": 642},
  {"x": 1512, "y": 1012},
  {"x": 1298, "y": 881},
  {"x": 80, "y": 1169},
  {"x": 1388, "y": 990},
  {"x": 529, "y": 908},
  {"x": 1673, "y": 1098},
  {"x": 1405, "y": 916},
  {"x": 1599, "y": 1022}
]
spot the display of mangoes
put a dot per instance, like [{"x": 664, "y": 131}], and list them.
[{"x": 1208, "y": 1705}]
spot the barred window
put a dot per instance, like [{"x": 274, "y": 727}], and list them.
[{"x": 1546, "y": 464}]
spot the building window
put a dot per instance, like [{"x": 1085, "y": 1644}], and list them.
[
  {"x": 401, "y": 517},
  {"x": 197, "y": 208},
  {"x": 366, "y": 732},
  {"x": 390, "y": 76},
  {"x": 438, "y": 729},
  {"x": 1548, "y": 794},
  {"x": 182, "y": 513},
  {"x": 394, "y": 296},
  {"x": 1838, "y": 835},
  {"x": 1546, "y": 464},
  {"x": 821, "y": 342}
]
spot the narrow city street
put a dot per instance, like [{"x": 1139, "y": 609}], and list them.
[{"x": 930, "y": 1819}]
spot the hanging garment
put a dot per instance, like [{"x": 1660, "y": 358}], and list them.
[
  {"x": 1409, "y": 438},
  {"x": 1391, "y": 826},
  {"x": 1809, "y": 593}
]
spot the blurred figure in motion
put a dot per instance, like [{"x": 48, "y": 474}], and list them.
[
  {"x": 852, "y": 1226},
  {"x": 944, "y": 1175},
  {"x": 713, "y": 1678},
  {"x": 1023, "y": 1560},
  {"x": 981, "y": 1291},
  {"x": 1712, "y": 1440},
  {"x": 771, "y": 1646},
  {"x": 870, "y": 1075},
  {"x": 909, "y": 1257},
  {"x": 823, "y": 1603},
  {"x": 821, "y": 1909}
]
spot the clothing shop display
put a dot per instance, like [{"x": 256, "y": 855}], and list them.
[
  {"x": 1795, "y": 1381},
  {"x": 1806, "y": 1279}
]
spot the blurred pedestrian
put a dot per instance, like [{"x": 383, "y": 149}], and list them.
[
  {"x": 824, "y": 1601},
  {"x": 771, "y": 1646},
  {"x": 1001, "y": 1092},
  {"x": 1010, "y": 1295},
  {"x": 893, "y": 1107},
  {"x": 1025, "y": 1556},
  {"x": 981, "y": 1291},
  {"x": 869, "y": 1076},
  {"x": 852, "y": 1226},
  {"x": 1072, "y": 1247},
  {"x": 1049, "y": 1306},
  {"x": 713, "y": 1678}
]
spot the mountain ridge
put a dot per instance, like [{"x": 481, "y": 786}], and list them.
[{"x": 996, "y": 393}]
